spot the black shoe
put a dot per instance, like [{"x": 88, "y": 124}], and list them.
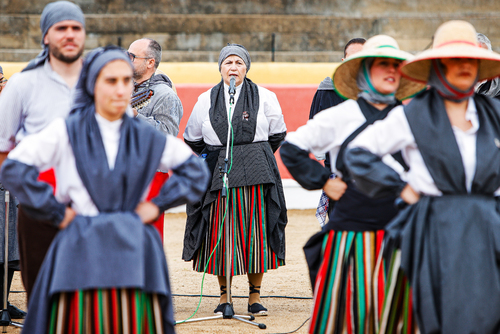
[
  {"x": 14, "y": 312},
  {"x": 257, "y": 309},
  {"x": 220, "y": 308}
]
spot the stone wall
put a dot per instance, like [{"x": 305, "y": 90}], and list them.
[
  {"x": 277, "y": 7},
  {"x": 193, "y": 30}
]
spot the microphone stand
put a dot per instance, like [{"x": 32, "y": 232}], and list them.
[
  {"x": 228, "y": 312},
  {"x": 5, "y": 319}
]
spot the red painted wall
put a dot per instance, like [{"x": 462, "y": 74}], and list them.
[{"x": 295, "y": 101}]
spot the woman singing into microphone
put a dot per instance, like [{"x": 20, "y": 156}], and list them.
[{"x": 256, "y": 212}]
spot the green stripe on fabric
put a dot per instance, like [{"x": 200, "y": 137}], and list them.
[
  {"x": 331, "y": 274},
  {"x": 393, "y": 313},
  {"x": 360, "y": 279},
  {"x": 100, "y": 311},
  {"x": 234, "y": 222},
  {"x": 53, "y": 315},
  {"x": 263, "y": 224},
  {"x": 149, "y": 310},
  {"x": 137, "y": 301},
  {"x": 80, "y": 311},
  {"x": 406, "y": 306},
  {"x": 388, "y": 282},
  {"x": 387, "y": 46}
]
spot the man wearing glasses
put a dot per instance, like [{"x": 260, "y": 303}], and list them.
[
  {"x": 32, "y": 100},
  {"x": 154, "y": 100},
  {"x": 3, "y": 81}
]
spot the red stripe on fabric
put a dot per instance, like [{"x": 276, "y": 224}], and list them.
[
  {"x": 455, "y": 42},
  {"x": 96, "y": 312},
  {"x": 348, "y": 302},
  {"x": 71, "y": 301},
  {"x": 114, "y": 310},
  {"x": 158, "y": 181},
  {"x": 410, "y": 312},
  {"x": 320, "y": 277},
  {"x": 215, "y": 234},
  {"x": 49, "y": 176},
  {"x": 133, "y": 311},
  {"x": 242, "y": 228},
  {"x": 380, "y": 279},
  {"x": 379, "y": 238},
  {"x": 74, "y": 310}
]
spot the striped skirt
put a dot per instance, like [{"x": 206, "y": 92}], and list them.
[
  {"x": 113, "y": 311},
  {"x": 246, "y": 219},
  {"x": 348, "y": 293},
  {"x": 397, "y": 312}
]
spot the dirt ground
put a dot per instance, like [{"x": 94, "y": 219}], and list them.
[{"x": 285, "y": 314}]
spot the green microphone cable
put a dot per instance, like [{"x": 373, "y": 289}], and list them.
[{"x": 221, "y": 230}]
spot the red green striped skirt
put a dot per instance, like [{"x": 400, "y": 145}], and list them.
[
  {"x": 113, "y": 311},
  {"x": 397, "y": 311},
  {"x": 347, "y": 293},
  {"x": 246, "y": 219}
]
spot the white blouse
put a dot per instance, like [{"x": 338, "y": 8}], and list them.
[
  {"x": 393, "y": 134},
  {"x": 328, "y": 130},
  {"x": 50, "y": 148},
  {"x": 269, "y": 117}
]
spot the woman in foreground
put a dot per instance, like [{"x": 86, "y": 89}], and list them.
[
  {"x": 448, "y": 240},
  {"x": 105, "y": 270}
]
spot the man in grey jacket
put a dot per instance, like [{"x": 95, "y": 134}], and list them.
[{"x": 153, "y": 100}]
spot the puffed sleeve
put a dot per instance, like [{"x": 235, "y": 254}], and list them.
[
  {"x": 274, "y": 116},
  {"x": 10, "y": 113},
  {"x": 364, "y": 155},
  {"x": 19, "y": 173}
]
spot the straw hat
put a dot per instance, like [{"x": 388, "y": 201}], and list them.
[
  {"x": 453, "y": 39},
  {"x": 380, "y": 46}
]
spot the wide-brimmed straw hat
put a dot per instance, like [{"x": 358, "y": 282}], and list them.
[
  {"x": 453, "y": 39},
  {"x": 380, "y": 46}
]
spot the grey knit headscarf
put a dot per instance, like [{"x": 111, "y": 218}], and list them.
[
  {"x": 235, "y": 50},
  {"x": 53, "y": 13}
]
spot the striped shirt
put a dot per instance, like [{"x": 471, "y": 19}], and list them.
[{"x": 29, "y": 102}]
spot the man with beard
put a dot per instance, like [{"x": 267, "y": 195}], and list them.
[
  {"x": 154, "y": 100},
  {"x": 160, "y": 105},
  {"x": 33, "y": 98}
]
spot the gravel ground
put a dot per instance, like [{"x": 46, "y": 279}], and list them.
[{"x": 285, "y": 314}]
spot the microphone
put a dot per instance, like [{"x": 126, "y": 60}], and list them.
[{"x": 232, "y": 90}]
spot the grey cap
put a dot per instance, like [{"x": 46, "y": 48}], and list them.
[{"x": 235, "y": 50}]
